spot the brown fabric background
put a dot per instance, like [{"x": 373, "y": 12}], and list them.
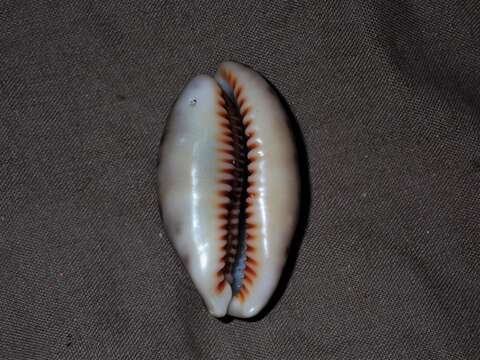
[{"x": 386, "y": 94}]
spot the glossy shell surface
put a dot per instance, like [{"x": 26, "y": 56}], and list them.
[{"x": 203, "y": 154}]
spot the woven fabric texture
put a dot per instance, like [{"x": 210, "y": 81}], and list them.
[{"x": 386, "y": 95}]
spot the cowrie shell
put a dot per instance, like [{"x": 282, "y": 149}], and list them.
[{"x": 229, "y": 188}]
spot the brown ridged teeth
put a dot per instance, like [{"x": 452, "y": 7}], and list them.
[{"x": 233, "y": 270}]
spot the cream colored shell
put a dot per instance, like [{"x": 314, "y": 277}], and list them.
[{"x": 193, "y": 176}]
